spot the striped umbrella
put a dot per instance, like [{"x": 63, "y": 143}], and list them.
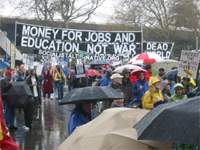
[{"x": 146, "y": 58}]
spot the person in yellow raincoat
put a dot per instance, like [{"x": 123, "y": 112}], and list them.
[
  {"x": 189, "y": 75},
  {"x": 153, "y": 96},
  {"x": 59, "y": 81}
]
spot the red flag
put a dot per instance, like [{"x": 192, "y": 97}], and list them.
[{"x": 6, "y": 141}]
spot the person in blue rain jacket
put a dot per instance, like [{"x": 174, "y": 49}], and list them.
[
  {"x": 105, "y": 81},
  {"x": 79, "y": 116},
  {"x": 139, "y": 89}
]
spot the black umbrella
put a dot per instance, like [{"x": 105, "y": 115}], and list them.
[
  {"x": 171, "y": 75},
  {"x": 18, "y": 94},
  {"x": 177, "y": 122},
  {"x": 91, "y": 94}
]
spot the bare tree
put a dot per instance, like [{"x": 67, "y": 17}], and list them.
[
  {"x": 151, "y": 13},
  {"x": 44, "y": 9},
  {"x": 74, "y": 9},
  {"x": 67, "y": 10},
  {"x": 41, "y": 9},
  {"x": 128, "y": 13},
  {"x": 187, "y": 14}
]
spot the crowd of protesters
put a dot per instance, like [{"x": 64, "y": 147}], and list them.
[
  {"x": 141, "y": 90},
  {"x": 47, "y": 85}
]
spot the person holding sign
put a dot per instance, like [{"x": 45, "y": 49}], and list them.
[{"x": 60, "y": 80}]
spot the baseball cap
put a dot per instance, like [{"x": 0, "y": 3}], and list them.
[
  {"x": 178, "y": 85},
  {"x": 115, "y": 76}
]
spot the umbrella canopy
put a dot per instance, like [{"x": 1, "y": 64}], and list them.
[
  {"x": 4, "y": 64},
  {"x": 138, "y": 70},
  {"x": 175, "y": 122},
  {"x": 145, "y": 58},
  {"x": 171, "y": 75},
  {"x": 92, "y": 94},
  {"x": 18, "y": 94},
  {"x": 112, "y": 130},
  {"x": 134, "y": 75},
  {"x": 128, "y": 66},
  {"x": 19, "y": 89},
  {"x": 116, "y": 64},
  {"x": 92, "y": 73},
  {"x": 166, "y": 64}
]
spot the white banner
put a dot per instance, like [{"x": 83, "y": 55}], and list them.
[{"x": 189, "y": 63}]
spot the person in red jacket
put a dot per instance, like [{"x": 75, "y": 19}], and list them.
[
  {"x": 48, "y": 84},
  {"x": 8, "y": 73},
  {"x": 148, "y": 71},
  {"x": 6, "y": 141}
]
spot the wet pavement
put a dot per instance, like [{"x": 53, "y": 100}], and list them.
[{"x": 48, "y": 131}]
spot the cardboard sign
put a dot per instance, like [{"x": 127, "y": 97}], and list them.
[
  {"x": 161, "y": 48},
  {"x": 80, "y": 71},
  {"x": 188, "y": 65},
  {"x": 99, "y": 45}
]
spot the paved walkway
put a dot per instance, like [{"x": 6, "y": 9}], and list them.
[{"x": 48, "y": 131}]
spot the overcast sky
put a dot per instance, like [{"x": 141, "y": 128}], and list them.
[{"x": 102, "y": 15}]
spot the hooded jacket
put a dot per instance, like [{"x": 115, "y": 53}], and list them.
[
  {"x": 178, "y": 97},
  {"x": 77, "y": 118},
  {"x": 152, "y": 96},
  {"x": 105, "y": 81},
  {"x": 138, "y": 93}
]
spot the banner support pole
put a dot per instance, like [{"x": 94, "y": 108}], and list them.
[
  {"x": 141, "y": 27},
  {"x": 197, "y": 43}
]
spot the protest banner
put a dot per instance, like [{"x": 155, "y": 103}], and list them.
[
  {"x": 188, "y": 65},
  {"x": 161, "y": 48},
  {"x": 57, "y": 42}
]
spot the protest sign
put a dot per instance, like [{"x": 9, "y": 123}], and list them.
[
  {"x": 188, "y": 64},
  {"x": 99, "y": 45},
  {"x": 80, "y": 70},
  {"x": 39, "y": 69},
  {"x": 161, "y": 48}
]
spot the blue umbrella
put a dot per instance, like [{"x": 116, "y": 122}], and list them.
[
  {"x": 171, "y": 75},
  {"x": 4, "y": 65}
]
